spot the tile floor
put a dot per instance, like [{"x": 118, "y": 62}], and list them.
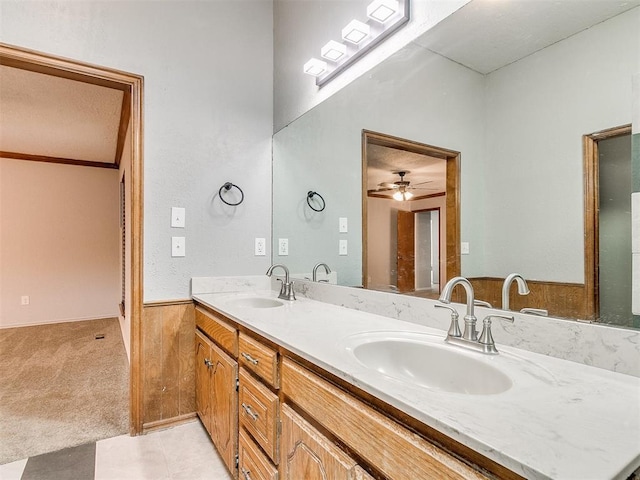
[{"x": 179, "y": 453}]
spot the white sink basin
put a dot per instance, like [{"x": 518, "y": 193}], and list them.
[
  {"x": 425, "y": 360},
  {"x": 255, "y": 302}
]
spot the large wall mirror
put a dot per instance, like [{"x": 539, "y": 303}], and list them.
[{"x": 517, "y": 88}]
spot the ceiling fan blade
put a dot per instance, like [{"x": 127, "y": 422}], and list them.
[
  {"x": 388, "y": 185},
  {"x": 377, "y": 190},
  {"x": 422, "y": 183}
]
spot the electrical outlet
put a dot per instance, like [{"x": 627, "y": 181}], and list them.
[
  {"x": 177, "y": 217},
  {"x": 24, "y": 300},
  {"x": 261, "y": 247},
  {"x": 343, "y": 225},
  {"x": 464, "y": 248},
  {"x": 283, "y": 246},
  {"x": 177, "y": 247},
  {"x": 342, "y": 249}
]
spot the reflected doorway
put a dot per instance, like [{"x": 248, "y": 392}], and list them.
[
  {"x": 608, "y": 226},
  {"x": 410, "y": 215}
]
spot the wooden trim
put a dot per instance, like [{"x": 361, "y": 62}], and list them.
[
  {"x": 169, "y": 422},
  {"x": 66, "y": 68},
  {"x": 125, "y": 117},
  {"x": 166, "y": 303},
  {"x": 45, "y": 158},
  {"x": 452, "y": 210},
  {"x": 591, "y": 216}
]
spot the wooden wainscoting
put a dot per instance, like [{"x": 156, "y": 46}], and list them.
[
  {"x": 567, "y": 300},
  {"x": 168, "y": 363}
]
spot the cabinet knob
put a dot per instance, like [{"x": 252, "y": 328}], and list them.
[
  {"x": 246, "y": 474},
  {"x": 208, "y": 362},
  {"x": 249, "y": 411},
  {"x": 249, "y": 358}
]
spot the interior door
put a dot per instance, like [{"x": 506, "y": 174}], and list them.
[{"x": 406, "y": 252}]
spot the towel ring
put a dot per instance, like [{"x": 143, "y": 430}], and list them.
[
  {"x": 310, "y": 196},
  {"x": 226, "y": 187}
]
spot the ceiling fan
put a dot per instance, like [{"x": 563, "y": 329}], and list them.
[{"x": 401, "y": 187}]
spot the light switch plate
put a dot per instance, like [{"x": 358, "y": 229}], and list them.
[
  {"x": 342, "y": 247},
  {"x": 283, "y": 246},
  {"x": 177, "y": 217},
  {"x": 177, "y": 246},
  {"x": 343, "y": 225},
  {"x": 260, "y": 247},
  {"x": 464, "y": 248}
]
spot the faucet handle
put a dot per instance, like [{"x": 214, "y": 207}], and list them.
[
  {"x": 485, "y": 337},
  {"x": 454, "y": 328},
  {"x": 482, "y": 303},
  {"x": 535, "y": 311}
]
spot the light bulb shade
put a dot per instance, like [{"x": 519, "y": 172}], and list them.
[
  {"x": 355, "y": 32},
  {"x": 402, "y": 195},
  {"x": 333, "y": 51},
  {"x": 315, "y": 67},
  {"x": 382, "y": 10}
]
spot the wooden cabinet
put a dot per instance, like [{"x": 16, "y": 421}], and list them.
[
  {"x": 259, "y": 413},
  {"x": 253, "y": 463},
  {"x": 390, "y": 448},
  {"x": 217, "y": 397},
  {"x": 260, "y": 359},
  {"x": 262, "y": 438},
  {"x": 308, "y": 455}
]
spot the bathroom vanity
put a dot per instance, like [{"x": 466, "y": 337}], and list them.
[{"x": 323, "y": 388}]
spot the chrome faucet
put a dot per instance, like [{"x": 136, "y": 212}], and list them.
[
  {"x": 523, "y": 288},
  {"x": 286, "y": 290},
  {"x": 468, "y": 339},
  {"x": 315, "y": 271},
  {"x": 470, "y": 332}
]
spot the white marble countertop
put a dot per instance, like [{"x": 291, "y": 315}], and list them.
[{"x": 559, "y": 420}]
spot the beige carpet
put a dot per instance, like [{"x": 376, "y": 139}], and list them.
[{"x": 60, "y": 387}]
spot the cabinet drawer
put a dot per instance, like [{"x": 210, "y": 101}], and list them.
[
  {"x": 218, "y": 330},
  {"x": 260, "y": 359},
  {"x": 259, "y": 413},
  {"x": 391, "y": 448},
  {"x": 253, "y": 465}
]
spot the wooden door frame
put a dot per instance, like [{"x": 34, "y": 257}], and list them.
[
  {"x": 132, "y": 85},
  {"x": 592, "y": 217},
  {"x": 452, "y": 209}
]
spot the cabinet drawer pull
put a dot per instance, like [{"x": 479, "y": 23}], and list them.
[
  {"x": 208, "y": 362},
  {"x": 245, "y": 474},
  {"x": 249, "y": 358},
  {"x": 249, "y": 411}
]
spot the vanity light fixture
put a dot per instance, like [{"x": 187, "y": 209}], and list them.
[
  {"x": 382, "y": 10},
  {"x": 333, "y": 51},
  {"x": 355, "y": 32},
  {"x": 383, "y": 18},
  {"x": 402, "y": 195},
  {"x": 315, "y": 67}
]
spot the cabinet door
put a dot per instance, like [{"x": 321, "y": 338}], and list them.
[
  {"x": 308, "y": 455},
  {"x": 224, "y": 407},
  {"x": 203, "y": 385}
]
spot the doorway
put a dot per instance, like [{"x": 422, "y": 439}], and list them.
[
  {"x": 132, "y": 87},
  {"x": 608, "y": 276},
  {"x": 401, "y": 177}
]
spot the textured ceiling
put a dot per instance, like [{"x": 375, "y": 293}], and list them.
[
  {"x": 383, "y": 161},
  {"x": 45, "y": 115},
  {"x": 486, "y": 35}
]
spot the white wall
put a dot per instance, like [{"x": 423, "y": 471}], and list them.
[
  {"x": 537, "y": 111},
  {"x": 207, "y": 117},
  {"x": 59, "y": 242},
  {"x": 302, "y": 27}
]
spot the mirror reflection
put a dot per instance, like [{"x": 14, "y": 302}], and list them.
[{"x": 521, "y": 108}]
